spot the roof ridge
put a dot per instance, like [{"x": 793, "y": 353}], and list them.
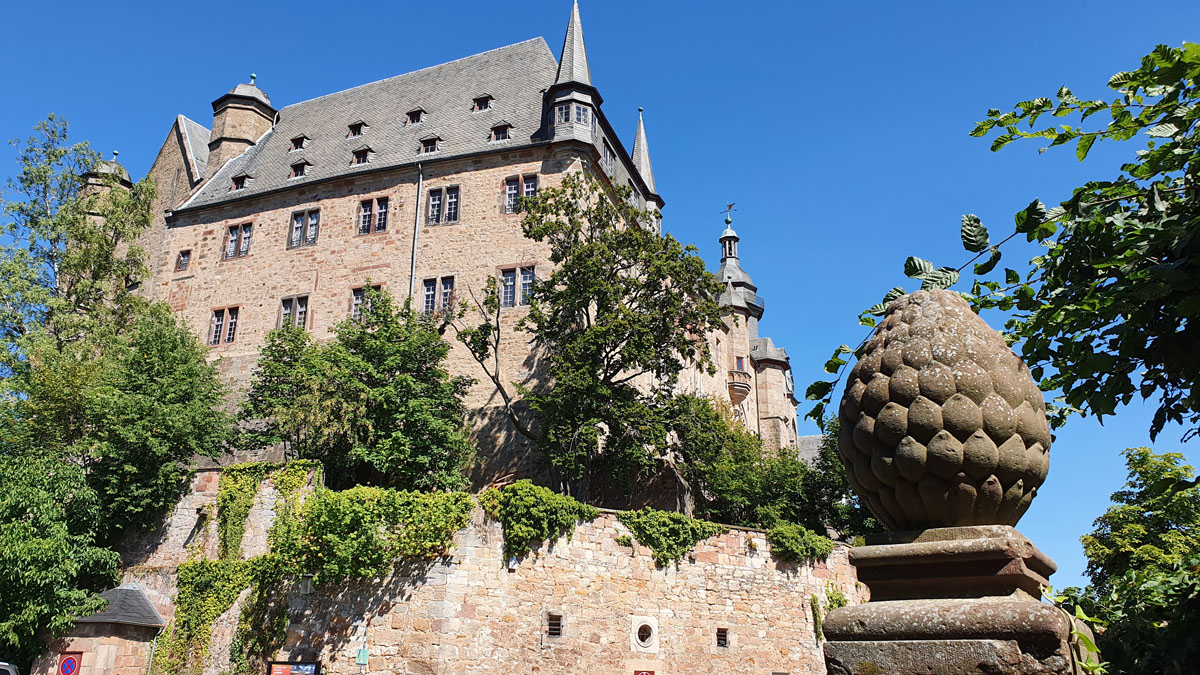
[{"x": 413, "y": 72}]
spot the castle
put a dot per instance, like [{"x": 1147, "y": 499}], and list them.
[{"x": 281, "y": 217}]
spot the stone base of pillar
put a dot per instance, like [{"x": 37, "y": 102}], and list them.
[{"x": 950, "y": 600}]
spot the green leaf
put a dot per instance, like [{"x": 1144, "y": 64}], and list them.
[
  {"x": 818, "y": 390},
  {"x": 940, "y": 278},
  {"x": 1011, "y": 277},
  {"x": 896, "y": 292},
  {"x": 917, "y": 268},
  {"x": 974, "y": 234},
  {"x": 1002, "y": 141},
  {"x": 1084, "y": 145},
  {"x": 1164, "y": 130},
  {"x": 989, "y": 264},
  {"x": 1030, "y": 217},
  {"x": 1119, "y": 79}
]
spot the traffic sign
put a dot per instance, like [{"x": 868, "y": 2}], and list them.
[{"x": 68, "y": 664}]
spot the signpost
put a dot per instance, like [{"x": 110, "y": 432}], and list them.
[{"x": 68, "y": 664}]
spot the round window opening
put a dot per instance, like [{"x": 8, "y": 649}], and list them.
[{"x": 644, "y": 634}]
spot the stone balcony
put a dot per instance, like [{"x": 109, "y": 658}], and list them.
[{"x": 739, "y": 385}]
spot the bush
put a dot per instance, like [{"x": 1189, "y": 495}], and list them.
[
  {"x": 531, "y": 514},
  {"x": 795, "y": 543},
  {"x": 668, "y": 534}
]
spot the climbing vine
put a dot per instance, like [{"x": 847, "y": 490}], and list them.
[
  {"x": 531, "y": 514},
  {"x": 238, "y": 486},
  {"x": 207, "y": 588},
  {"x": 815, "y": 604},
  {"x": 795, "y": 543},
  {"x": 669, "y": 535}
]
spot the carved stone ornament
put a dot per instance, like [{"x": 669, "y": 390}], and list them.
[{"x": 941, "y": 423}]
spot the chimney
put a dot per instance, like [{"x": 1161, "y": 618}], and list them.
[{"x": 240, "y": 118}]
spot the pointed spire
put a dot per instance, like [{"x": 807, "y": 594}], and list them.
[
  {"x": 573, "y": 66},
  {"x": 641, "y": 154}
]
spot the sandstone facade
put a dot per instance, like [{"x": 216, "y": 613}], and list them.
[{"x": 478, "y": 125}]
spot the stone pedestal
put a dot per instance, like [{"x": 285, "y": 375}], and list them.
[{"x": 950, "y": 600}]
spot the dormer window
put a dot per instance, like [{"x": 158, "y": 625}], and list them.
[
  {"x": 361, "y": 156},
  {"x": 298, "y": 169},
  {"x": 298, "y": 143},
  {"x": 416, "y": 116},
  {"x": 482, "y": 103},
  {"x": 239, "y": 182},
  {"x": 500, "y": 133},
  {"x": 357, "y": 129},
  {"x": 429, "y": 145}
]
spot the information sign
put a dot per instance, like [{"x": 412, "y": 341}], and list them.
[
  {"x": 361, "y": 657},
  {"x": 295, "y": 668}
]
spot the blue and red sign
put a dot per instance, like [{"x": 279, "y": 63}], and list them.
[{"x": 68, "y": 664}]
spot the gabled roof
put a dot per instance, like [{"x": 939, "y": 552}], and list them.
[
  {"x": 195, "y": 138},
  {"x": 127, "y": 605},
  {"x": 574, "y": 65},
  {"x": 515, "y": 75}
]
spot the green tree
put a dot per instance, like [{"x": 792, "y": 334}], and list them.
[
  {"x": 1154, "y": 522},
  {"x": 830, "y": 497},
  {"x": 1144, "y": 561},
  {"x": 50, "y": 567},
  {"x": 1109, "y": 309},
  {"x": 376, "y": 404},
  {"x": 617, "y": 319},
  {"x": 69, "y": 257},
  {"x": 155, "y": 407}
]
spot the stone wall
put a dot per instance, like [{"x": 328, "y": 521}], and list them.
[
  {"x": 105, "y": 649},
  {"x": 473, "y": 613}
]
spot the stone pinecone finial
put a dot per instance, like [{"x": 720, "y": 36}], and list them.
[{"x": 941, "y": 423}]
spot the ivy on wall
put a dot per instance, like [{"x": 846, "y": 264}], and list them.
[
  {"x": 531, "y": 514},
  {"x": 238, "y": 487},
  {"x": 207, "y": 588},
  {"x": 796, "y": 543},
  {"x": 669, "y": 535}
]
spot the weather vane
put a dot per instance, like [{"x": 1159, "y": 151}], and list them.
[{"x": 728, "y": 210}]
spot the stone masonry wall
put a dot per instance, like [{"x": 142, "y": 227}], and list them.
[
  {"x": 472, "y": 613},
  {"x": 105, "y": 649}
]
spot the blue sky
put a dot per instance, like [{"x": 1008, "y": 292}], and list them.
[{"x": 839, "y": 130}]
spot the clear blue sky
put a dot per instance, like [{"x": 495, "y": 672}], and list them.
[{"x": 839, "y": 129}]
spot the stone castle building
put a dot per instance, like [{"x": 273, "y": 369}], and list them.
[{"x": 283, "y": 216}]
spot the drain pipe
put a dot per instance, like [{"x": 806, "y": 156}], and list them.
[
  {"x": 412, "y": 267},
  {"x": 153, "y": 644}
]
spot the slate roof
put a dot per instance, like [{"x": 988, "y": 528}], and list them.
[
  {"x": 128, "y": 605},
  {"x": 574, "y": 66},
  {"x": 196, "y": 141},
  {"x": 764, "y": 348},
  {"x": 515, "y": 76},
  {"x": 641, "y": 155},
  {"x": 809, "y": 448}
]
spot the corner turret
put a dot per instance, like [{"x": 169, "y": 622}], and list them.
[{"x": 240, "y": 118}]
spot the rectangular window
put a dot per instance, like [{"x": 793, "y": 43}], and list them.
[
  {"x": 452, "y": 205},
  {"x": 224, "y": 325},
  {"x": 293, "y": 312},
  {"x": 447, "y": 292},
  {"x": 298, "y": 169},
  {"x": 298, "y": 143},
  {"x": 429, "y": 145},
  {"x": 364, "y": 219},
  {"x": 483, "y": 103},
  {"x": 183, "y": 260},
  {"x": 511, "y": 193},
  {"x": 373, "y": 216},
  {"x": 563, "y": 113},
  {"x": 722, "y": 637},
  {"x": 356, "y": 129},
  {"x": 314, "y": 224},
  {"x": 297, "y": 234},
  {"x": 359, "y": 300},
  {"x": 430, "y": 295},
  {"x": 360, "y": 157},
  {"x": 237, "y": 243},
  {"x": 530, "y": 187},
  {"x": 381, "y": 214},
  {"x": 239, "y": 182},
  {"x": 499, "y": 133},
  {"x": 526, "y": 284},
  {"x": 609, "y": 158},
  {"x": 508, "y": 288},
  {"x": 582, "y": 115},
  {"x": 554, "y": 625},
  {"x": 435, "y": 207},
  {"x": 741, "y": 363}
]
